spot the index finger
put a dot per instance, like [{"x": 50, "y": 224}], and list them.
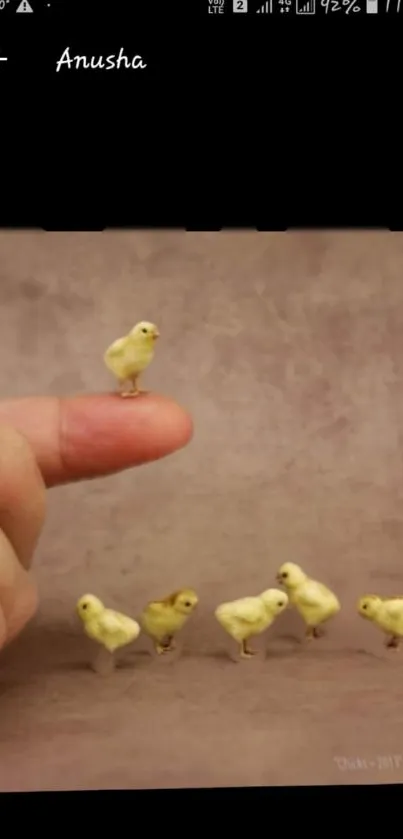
[{"x": 97, "y": 434}]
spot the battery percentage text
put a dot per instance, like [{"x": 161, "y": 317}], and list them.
[{"x": 345, "y": 6}]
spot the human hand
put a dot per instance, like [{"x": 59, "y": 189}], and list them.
[{"x": 45, "y": 441}]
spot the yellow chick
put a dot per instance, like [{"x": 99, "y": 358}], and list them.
[
  {"x": 250, "y": 616},
  {"x": 109, "y": 628},
  {"x": 129, "y": 356},
  {"x": 385, "y": 612},
  {"x": 162, "y": 619},
  {"x": 314, "y": 601}
]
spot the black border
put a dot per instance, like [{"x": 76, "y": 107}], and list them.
[
  {"x": 235, "y": 123},
  {"x": 226, "y": 809}
]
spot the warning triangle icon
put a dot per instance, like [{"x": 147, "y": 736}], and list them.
[{"x": 24, "y": 7}]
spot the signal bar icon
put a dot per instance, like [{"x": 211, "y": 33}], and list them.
[{"x": 266, "y": 8}]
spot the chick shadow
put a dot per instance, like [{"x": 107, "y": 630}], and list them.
[
  {"x": 150, "y": 657},
  {"x": 135, "y": 658},
  {"x": 81, "y": 666},
  {"x": 226, "y": 658},
  {"x": 222, "y": 655},
  {"x": 363, "y": 653},
  {"x": 290, "y": 638},
  {"x": 285, "y": 646},
  {"x": 231, "y": 655},
  {"x": 316, "y": 649}
]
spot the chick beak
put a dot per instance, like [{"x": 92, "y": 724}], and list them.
[{"x": 156, "y": 334}]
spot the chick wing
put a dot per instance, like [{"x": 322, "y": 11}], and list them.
[
  {"x": 158, "y": 619},
  {"x": 117, "y": 349},
  {"x": 394, "y": 607},
  {"x": 112, "y": 622},
  {"x": 312, "y": 593},
  {"x": 156, "y": 606},
  {"x": 247, "y": 609}
]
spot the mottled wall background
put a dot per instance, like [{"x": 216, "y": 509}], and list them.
[{"x": 288, "y": 351}]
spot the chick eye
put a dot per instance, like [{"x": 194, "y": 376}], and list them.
[
  {"x": 285, "y": 574},
  {"x": 145, "y": 331},
  {"x": 364, "y": 606},
  {"x": 187, "y": 603},
  {"x": 85, "y": 605},
  {"x": 280, "y": 603}
]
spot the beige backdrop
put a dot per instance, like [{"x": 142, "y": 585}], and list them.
[{"x": 288, "y": 351}]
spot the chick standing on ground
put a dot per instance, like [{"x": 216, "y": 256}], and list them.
[
  {"x": 162, "y": 619},
  {"x": 250, "y": 616},
  {"x": 314, "y": 601},
  {"x": 129, "y": 356},
  {"x": 386, "y": 613},
  {"x": 108, "y": 628}
]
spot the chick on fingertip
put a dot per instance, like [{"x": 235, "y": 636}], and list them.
[{"x": 129, "y": 356}]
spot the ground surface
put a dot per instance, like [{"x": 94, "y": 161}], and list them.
[
  {"x": 288, "y": 350},
  {"x": 324, "y": 716}
]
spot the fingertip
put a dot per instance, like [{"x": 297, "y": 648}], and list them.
[
  {"x": 90, "y": 435},
  {"x": 176, "y": 422},
  {"x": 103, "y": 433}
]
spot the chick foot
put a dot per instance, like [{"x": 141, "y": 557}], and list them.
[
  {"x": 246, "y": 651},
  {"x": 311, "y": 633},
  {"x": 393, "y": 642},
  {"x": 165, "y": 648},
  {"x": 131, "y": 391}
]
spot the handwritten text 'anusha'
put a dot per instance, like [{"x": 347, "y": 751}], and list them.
[{"x": 98, "y": 62}]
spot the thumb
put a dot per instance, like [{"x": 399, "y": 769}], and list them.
[{"x": 22, "y": 512}]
